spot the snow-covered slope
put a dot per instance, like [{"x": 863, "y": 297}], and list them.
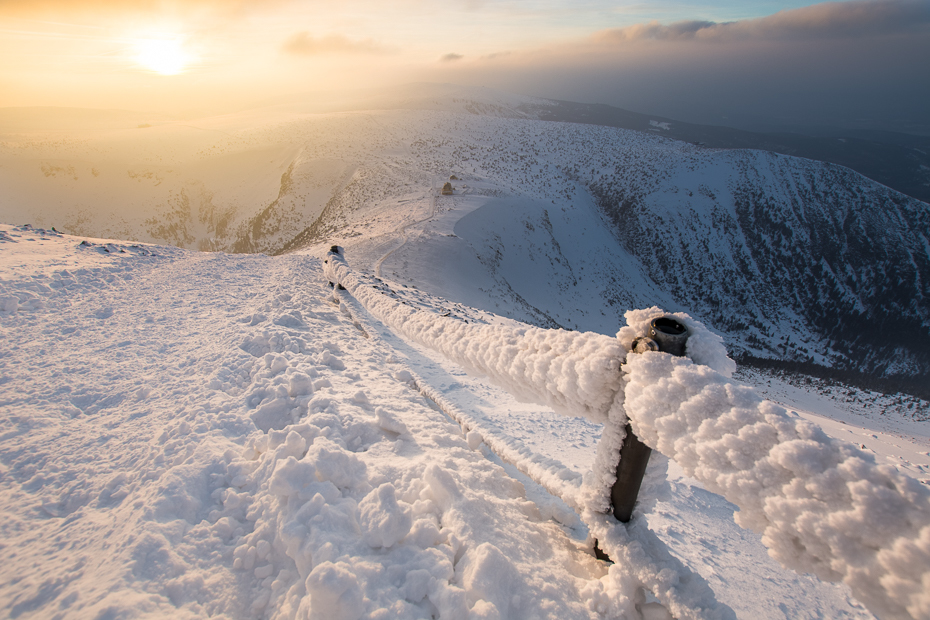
[
  {"x": 191, "y": 435},
  {"x": 135, "y": 483},
  {"x": 792, "y": 259}
]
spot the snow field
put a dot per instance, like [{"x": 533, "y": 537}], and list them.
[
  {"x": 152, "y": 465},
  {"x": 408, "y": 523},
  {"x": 554, "y": 476},
  {"x": 113, "y": 443}
]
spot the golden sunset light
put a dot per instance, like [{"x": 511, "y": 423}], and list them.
[
  {"x": 164, "y": 56},
  {"x": 701, "y": 62},
  {"x": 465, "y": 309}
]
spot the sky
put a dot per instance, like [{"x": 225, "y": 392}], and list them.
[{"x": 860, "y": 63}]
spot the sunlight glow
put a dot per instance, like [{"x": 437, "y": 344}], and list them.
[{"x": 164, "y": 56}]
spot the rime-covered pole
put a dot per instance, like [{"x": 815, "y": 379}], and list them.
[
  {"x": 669, "y": 336},
  {"x": 575, "y": 373},
  {"x": 822, "y": 506},
  {"x": 634, "y": 457}
]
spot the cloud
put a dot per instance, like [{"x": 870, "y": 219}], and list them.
[
  {"x": 654, "y": 31},
  {"x": 856, "y": 63},
  {"x": 830, "y": 19},
  {"x": 302, "y": 44},
  {"x": 842, "y": 19},
  {"x": 451, "y": 57}
]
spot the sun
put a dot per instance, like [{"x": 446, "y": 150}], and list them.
[{"x": 164, "y": 56}]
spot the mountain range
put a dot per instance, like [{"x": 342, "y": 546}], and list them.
[{"x": 574, "y": 213}]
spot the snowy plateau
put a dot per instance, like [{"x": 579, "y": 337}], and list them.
[{"x": 425, "y": 425}]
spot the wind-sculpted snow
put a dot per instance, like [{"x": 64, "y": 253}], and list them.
[
  {"x": 822, "y": 506},
  {"x": 577, "y": 374}
]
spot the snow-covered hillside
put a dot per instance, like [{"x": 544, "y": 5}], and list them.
[
  {"x": 791, "y": 259},
  {"x": 188, "y": 435}
]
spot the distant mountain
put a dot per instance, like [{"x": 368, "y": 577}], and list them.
[
  {"x": 797, "y": 262},
  {"x": 900, "y": 161},
  {"x": 786, "y": 241}
]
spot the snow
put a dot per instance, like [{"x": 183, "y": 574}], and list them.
[
  {"x": 575, "y": 373},
  {"x": 526, "y": 222},
  {"x": 136, "y": 484},
  {"x": 823, "y": 506},
  {"x": 189, "y": 434},
  {"x": 193, "y": 435}
]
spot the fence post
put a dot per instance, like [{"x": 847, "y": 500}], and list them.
[
  {"x": 337, "y": 251},
  {"x": 669, "y": 336}
]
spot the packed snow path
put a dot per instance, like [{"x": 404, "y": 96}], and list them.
[
  {"x": 402, "y": 231},
  {"x": 136, "y": 479}
]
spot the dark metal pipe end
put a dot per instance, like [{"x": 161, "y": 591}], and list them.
[{"x": 669, "y": 334}]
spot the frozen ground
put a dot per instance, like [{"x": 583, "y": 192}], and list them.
[{"x": 190, "y": 435}]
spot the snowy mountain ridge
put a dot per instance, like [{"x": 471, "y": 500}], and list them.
[{"x": 791, "y": 259}]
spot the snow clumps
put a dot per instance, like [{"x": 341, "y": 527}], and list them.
[
  {"x": 279, "y": 394},
  {"x": 822, "y": 505},
  {"x": 384, "y": 521},
  {"x": 575, "y": 373}
]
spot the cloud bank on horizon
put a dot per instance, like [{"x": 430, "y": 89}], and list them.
[{"x": 860, "y": 63}]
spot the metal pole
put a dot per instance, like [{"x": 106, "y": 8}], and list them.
[
  {"x": 669, "y": 336},
  {"x": 634, "y": 457}
]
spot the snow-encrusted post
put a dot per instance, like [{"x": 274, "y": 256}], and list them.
[
  {"x": 335, "y": 250},
  {"x": 669, "y": 336}
]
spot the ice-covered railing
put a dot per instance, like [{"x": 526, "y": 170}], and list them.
[
  {"x": 822, "y": 505},
  {"x": 642, "y": 560}
]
